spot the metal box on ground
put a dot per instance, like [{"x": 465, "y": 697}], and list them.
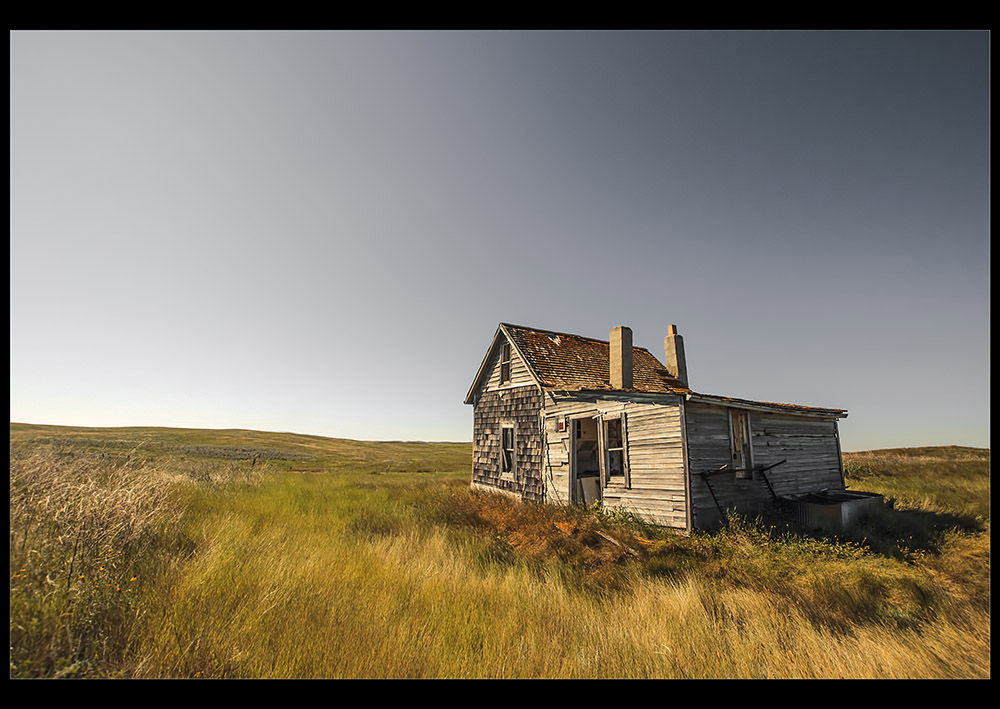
[{"x": 833, "y": 510}]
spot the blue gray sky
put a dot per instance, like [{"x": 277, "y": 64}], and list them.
[{"x": 319, "y": 232}]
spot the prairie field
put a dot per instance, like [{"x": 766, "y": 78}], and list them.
[{"x": 183, "y": 553}]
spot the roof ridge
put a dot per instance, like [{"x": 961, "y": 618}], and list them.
[{"x": 566, "y": 334}]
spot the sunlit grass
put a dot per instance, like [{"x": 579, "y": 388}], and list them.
[
  {"x": 370, "y": 573},
  {"x": 947, "y": 479},
  {"x": 392, "y": 593}
]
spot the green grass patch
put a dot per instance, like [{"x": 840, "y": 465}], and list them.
[{"x": 944, "y": 480}]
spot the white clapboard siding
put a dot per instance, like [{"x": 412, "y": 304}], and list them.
[{"x": 654, "y": 450}]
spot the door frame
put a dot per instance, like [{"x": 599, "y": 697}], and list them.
[{"x": 573, "y": 470}]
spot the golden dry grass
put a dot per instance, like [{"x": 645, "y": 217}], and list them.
[{"x": 251, "y": 570}]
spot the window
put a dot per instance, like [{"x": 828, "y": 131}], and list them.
[
  {"x": 616, "y": 450},
  {"x": 507, "y": 449},
  {"x": 505, "y": 363},
  {"x": 615, "y": 462},
  {"x": 739, "y": 432}
]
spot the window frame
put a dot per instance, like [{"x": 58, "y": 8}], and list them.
[
  {"x": 508, "y": 464},
  {"x": 506, "y": 359},
  {"x": 626, "y": 477},
  {"x": 744, "y": 472}
]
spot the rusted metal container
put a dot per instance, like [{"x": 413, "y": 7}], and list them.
[{"x": 833, "y": 510}]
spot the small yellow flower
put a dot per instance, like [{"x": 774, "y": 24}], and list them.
[{"x": 133, "y": 578}]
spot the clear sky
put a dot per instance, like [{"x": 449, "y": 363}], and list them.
[{"x": 319, "y": 232}]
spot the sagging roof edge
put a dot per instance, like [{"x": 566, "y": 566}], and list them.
[
  {"x": 728, "y": 401},
  {"x": 765, "y": 406}
]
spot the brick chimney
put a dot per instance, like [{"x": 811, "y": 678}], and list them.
[
  {"x": 621, "y": 357},
  {"x": 673, "y": 350}
]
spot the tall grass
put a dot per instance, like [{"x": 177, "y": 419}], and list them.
[
  {"x": 250, "y": 570},
  {"x": 949, "y": 479},
  {"x": 89, "y": 535},
  {"x": 331, "y": 577}
]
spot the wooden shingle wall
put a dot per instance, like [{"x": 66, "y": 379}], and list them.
[{"x": 521, "y": 408}]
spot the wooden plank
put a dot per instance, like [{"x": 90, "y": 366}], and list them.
[
  {"x": 688, "y": 506},
  {"x": 840, "y": 455},
  {"x": 626, "y": 452},
  {"x": 672, "y": 459},
  {"x": 658, "y": 473},
  {"x": 654, "y": 433},
  {"x": 652, "y": 411},
  {"x": 602, "y": 456},
  {"x": 654, "y": 494},
  {"x": 653, "y": 446}
]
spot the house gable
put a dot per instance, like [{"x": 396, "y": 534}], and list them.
[{"x": 489, "y": 377}]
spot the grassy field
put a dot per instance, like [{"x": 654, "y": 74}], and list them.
[{"x": 192, "y": 553}]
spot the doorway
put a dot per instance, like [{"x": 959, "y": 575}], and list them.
[{"x": 586, "y": 465}]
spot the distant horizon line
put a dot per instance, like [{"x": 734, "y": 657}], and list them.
[
  {"x": 400, "y": 440},
  {"x": 249, "y": 430}
]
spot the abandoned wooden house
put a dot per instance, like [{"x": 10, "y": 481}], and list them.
[{"x": 562, "y": 418}]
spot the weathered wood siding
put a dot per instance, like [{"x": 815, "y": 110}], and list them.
[
  {"x": 520, "y": 407},
  {"x": 654, "y": 452},
  {"x": 519, "y": 375},
  {"x": 808, "y": 444},
  {"x": 709, "y": 449}
]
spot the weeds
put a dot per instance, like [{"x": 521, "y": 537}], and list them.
[{"x": 87, "y": 534}]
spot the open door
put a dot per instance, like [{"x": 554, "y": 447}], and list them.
[{"x": 585, "y": 478}]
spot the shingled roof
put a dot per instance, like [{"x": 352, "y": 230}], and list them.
[
  {"x": 559, "y": 361},
  {"x": 565, "y": 362}
]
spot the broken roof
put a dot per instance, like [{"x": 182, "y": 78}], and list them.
[
  {"x": 560, "y": 361},
  {"x": 565, "y": 362}
]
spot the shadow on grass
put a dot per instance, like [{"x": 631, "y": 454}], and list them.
[
  {"x": 887, "y": 532},
  {"x": 896, "y": 533},
  {"x": 899, "y": 533}
]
